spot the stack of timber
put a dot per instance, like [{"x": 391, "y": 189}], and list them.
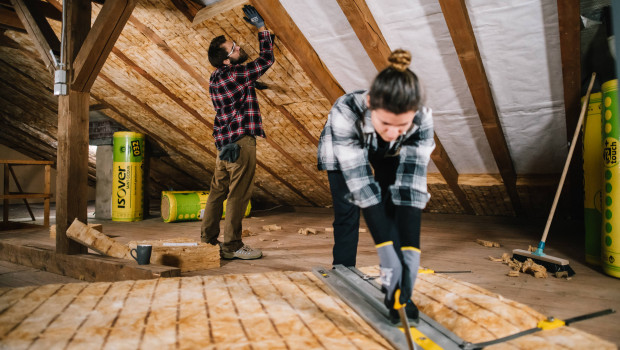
[
  {"x": 477, "y": 315},
  {"x": 273, "y": 310},
  {"x": 189, "y": 255}
]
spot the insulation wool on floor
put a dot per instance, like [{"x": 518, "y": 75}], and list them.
[
  {"x": 283, "y": 310},
  {"x": 276, "y": 310},
  {"x": 477, "y": 315}
]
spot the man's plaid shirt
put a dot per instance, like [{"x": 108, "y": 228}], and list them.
[
  {"x": 347, "y": 138},
  {"x": 234, "y": 98}
]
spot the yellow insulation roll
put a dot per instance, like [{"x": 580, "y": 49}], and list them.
[{"x": 187, "y": 205}]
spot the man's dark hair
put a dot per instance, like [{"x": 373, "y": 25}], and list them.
[
  {"x": 396, "y": 88},
  {"x": 217, "y": 54}
]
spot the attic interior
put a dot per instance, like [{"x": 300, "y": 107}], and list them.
[{"x": 504, "y": 82}]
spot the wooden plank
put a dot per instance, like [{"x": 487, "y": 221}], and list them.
[
  {"x": 212, "y": 10},
  {"x": 25, "y": 195},
  {"x": 97, "y": 241},
  {"x": 25, "y": 162},
  {"x": 289, "y": 34},
  {"x": 99, "y": 42},
  {"x": 367, "y": 30},
  {"x": 87, "y": 267},
  {"x": 42, "y": 34},
  {"x": 462, "y": 33}
]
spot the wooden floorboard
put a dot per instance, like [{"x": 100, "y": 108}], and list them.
[{"x": 448, "y": 243}]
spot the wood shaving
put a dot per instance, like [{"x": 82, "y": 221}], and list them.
[
  {"x": 248, "y": 233},
  {"x": 272, "y": 227},
  {"x": 531, "y": 249},
  {"x": 362, "y": 230},
  {"x": 488, "y": 243},
  {"x": 513, "y": 273},
  {"x": 329, "y": 229},
  {"x": 516, "y": 266},
  {"x": 307, "y": 231},
  {"x": 274, "y": 240}
]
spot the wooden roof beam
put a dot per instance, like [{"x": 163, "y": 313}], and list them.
[
  {"x": 99, "y": 42},
  {"x": 369, "y": 34},
  {"x": 10, "y": 20},
  {"x": 449, "y": 173},
  {"x": 215, "y": 9},
  {"x": 462, "y": 33},
  {"x": 289, "y": 34},
  {"x": 367, "y": 30},
  {"x": 188, "y": 8},
  {"x": 44, "y": 37}
]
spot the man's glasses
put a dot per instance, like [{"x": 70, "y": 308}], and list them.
[{"x": 232, "y": 50}]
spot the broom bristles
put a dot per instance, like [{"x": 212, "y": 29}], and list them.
[{"x": 551, "y": 263}]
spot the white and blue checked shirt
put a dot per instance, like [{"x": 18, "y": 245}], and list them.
[{"x": 347, "y": 138}]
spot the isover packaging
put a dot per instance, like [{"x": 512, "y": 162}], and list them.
[{"x": 127, "y": 172}]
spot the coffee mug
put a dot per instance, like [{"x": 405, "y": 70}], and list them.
[{"x": 143, "y": 252}]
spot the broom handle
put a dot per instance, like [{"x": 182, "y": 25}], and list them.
[{"x": 568, "y": 159}]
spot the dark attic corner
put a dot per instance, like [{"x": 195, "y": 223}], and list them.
[{"x": 338, "y": 174}]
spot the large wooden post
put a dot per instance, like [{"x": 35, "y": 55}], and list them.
[{"x": 72, "y": 163}]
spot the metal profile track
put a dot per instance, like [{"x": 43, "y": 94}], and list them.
[{"x": 365, "y": 297}]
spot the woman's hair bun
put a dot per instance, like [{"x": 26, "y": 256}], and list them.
[{"x": 400, "y": 59}]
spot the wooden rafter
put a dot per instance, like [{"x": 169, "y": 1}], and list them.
[
  {"x": 459, "y": 25},
  {"x": 45, "y": 40},
  {"x": 363, "y": 23},
  {"x": 367, "y": 30},
  {"x": 99, "y": 42},
  {"x": 215, "y": 9},
  {"x": 10, "y": 20},
  {"x": 189, "y": 8},
  {"x": 449, "y": 173},
  {"x": 569, "y": 21},
  {"x": 289, "y": 34}
]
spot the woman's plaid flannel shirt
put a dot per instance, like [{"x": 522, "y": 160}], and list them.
[
  {"x": 349, "y": 135},
  {"x": 234, "y": 98}
]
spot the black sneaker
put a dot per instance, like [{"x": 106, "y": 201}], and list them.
[{"x": 413, "y": 315}]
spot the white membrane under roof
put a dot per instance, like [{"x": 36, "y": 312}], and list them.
[{"x": 520, "y": 49}]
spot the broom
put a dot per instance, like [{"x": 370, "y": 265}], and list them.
[{"x": 551, "y": 263}]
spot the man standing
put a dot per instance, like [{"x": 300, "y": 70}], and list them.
[{"x": 237, "y": 122}]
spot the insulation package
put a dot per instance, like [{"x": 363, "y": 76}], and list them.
[
  {"x": 610, "y": 243},
  {"x": 187, "y": 205},
  {"x": 127, "y": 173}
]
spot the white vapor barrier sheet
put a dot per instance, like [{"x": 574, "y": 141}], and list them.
[{"x": 520, "y": 49}]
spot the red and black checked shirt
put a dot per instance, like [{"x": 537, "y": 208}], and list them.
[{"x": 234, "y": 97}]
